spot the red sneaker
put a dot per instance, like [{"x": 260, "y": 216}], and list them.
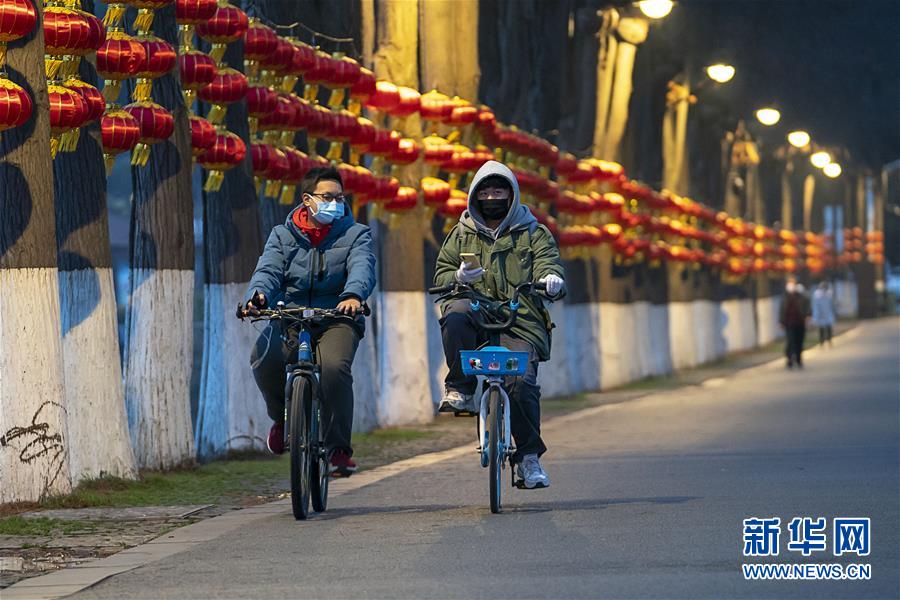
[
  {"x": 341, "y": 464},
  {"x": 275, "y": 442}
]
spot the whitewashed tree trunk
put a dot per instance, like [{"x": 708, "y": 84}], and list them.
[
  {"x": 159, "y": 346},
  {"x": 95, "y": 397},
  {"x": 231, "y": 413},
  {"x": 34, "y": 460}
]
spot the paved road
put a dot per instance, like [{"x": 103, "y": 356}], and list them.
[{"x": 648, "y": 499}]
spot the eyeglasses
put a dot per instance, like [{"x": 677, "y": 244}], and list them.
[{"x": 330, "y": 197}]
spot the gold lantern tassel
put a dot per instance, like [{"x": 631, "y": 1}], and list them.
[
  {"x": 454, "y": 180},
  {"x": 287, "y": 138},
  {"x": 111, "y": 89},
  {"x": 189, "y": 97},
  {"x": 257, "y": 183},
  {"x": 52, "y": 65},
  {"x": 69, "y": 140},
  {"x": 214, "y": 181},
  {"x": 311, "y": 142},
  {"x": 142, "y": 89},
  {"x": 254, "y": 125},
  {"x": 54, "y": 145},
  {"x": 336, "y": 99},
  {"x": 140, "y": 155},
  {"x": 354, "y": 157},
  {"x": 2, "y": 55},
  {"x": 216, "y": 114},
  {"x": 354, "y": 106},
  {"x": 217, "y": 52},
  {"x": 186, "y": 37},
  {"x": 114, "y": 14},
  {"x": 287, "y": 194},
  {"x": 109, "y": 160},
  {"x": 273, "y": 188},
  {"x": 334, "y": 151},
  {"x": 288, "y": 83},
  {"x": 311, "y": 92}
]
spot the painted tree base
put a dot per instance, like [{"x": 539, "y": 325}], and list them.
[
  {"x": 34, "y": 443},
  {"x": 737, "y": 324},
  {"x": 158, "y": 367},
  {"x": 846, "y": 299},
  {"x": 231, "y": 413},
  {"x": 98, "y": 430},
  {"x": 767, "y": 323}
]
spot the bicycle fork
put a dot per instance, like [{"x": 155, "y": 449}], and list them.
[{"x": 506, "y": 446}]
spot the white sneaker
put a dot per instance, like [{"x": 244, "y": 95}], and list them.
[
  {"x": 532, "y": 473},
  {"x": 455, "y": 401}
]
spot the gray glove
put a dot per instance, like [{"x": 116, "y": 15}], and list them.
[
  {"x": 553, "y": 282},
  {"x": 467, "y": 275}
]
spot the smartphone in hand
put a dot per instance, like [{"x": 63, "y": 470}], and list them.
[{"x": 472, "y": 261}]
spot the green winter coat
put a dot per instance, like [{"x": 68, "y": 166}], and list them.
[{"x": 518, "y": 251}]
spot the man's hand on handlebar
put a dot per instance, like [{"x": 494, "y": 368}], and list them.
[
  {"x": 251, "y": 309},
  {"x": 350, "y": 306}
]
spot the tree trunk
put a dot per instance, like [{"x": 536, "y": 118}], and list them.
[
  {"x": 95, "y": 399},
  {"x": 34, "y": 443},
  {"x": 231, "y": 413},
  {"x": 402, "y": 307},
  {"x": 449, "y": 60},
  {"x": 159, "y": 319}
]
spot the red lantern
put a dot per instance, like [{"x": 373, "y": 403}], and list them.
[
  {"x": 159, "y": 59},
  {"x": 437, "y": 150},
  {"x": 455, "y": 205},
  {"x": 203, "y": 135},
  {"x": 17, "y": 19},
  {"x": 227, "y": 25},
  {"x": 362, "y": 139},
  {"x": 435, "y": 106},
  {"x": 259, "y": 41},
  {"x": 279, "y": 167},
  {"x": 92, "y": 97},
  {"x": 120, "y": 57},
  {"x": 15, "y": 104},
  {"x": 67, "y": 113},
  {"x": 196, "y": 70},
  {"x": 404, "y": 200},
  {"x": 435, "y": 192},
  {"x": 566, "y": 165},
  {"x": 227, "y": 87},
  {"x": 278, "y": 62},
  {"x": 300, "y": 59},
  {"x": 157, "y": 124},
  {"x": 385, "y": 97},
  {"x": 346, "y": 72},
  {"x": 463, "y": 115},
  {"x": 319, "y": 123},
  {"x": 297, "y": 167},
  {"x": 406, "y": 152},
  {"x": 261, "y": 101},
  {"x": 322, "y": 70},
  {"x": 384, "y": 143},
  {"x": 408, "y": 103},
  {"x": 194, "y": 12},
  {"x": 68, "y": 31},
  {"x": 227, "y": 151},
  {"x": 282, "y": 118},
  {"x": 119, "y": 132}
]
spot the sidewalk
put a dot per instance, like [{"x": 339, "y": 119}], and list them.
[{"x": 122, "y": 515}]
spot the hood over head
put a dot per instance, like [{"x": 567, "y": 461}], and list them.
[{"x": 519, "y": 215}]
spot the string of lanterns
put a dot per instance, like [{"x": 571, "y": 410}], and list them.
[{"x": 291, "y": 87}]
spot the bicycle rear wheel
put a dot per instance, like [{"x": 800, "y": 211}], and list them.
[
  {"x": 301, "y": 448},
  {"x": 495, "y": 445},
  {"x": 319, "y": 475}
]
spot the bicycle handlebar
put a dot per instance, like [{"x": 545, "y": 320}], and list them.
[
  {"x": 512, "y": 305},
  {"x": 299, "y": 313}
]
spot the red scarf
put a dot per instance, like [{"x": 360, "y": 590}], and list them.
[{"x": 315, "y": 234}]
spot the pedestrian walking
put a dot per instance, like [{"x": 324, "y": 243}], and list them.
[
  {"x": 795, "y": 312},
  {"x": 823, "y": 312}
]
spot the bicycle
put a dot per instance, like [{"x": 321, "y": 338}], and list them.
[
  {"x": 490, "y": 364},
  {"x": 305, "y": 431}
]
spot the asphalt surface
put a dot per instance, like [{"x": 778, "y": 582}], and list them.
[{"x": 647, "y": 500}]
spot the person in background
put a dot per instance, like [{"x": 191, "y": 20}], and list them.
[
  {"x": 794, "y": 314},
  {"x": 823, "y": 312}
]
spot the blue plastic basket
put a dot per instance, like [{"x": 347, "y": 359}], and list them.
[{"x": 494, "y": 360}]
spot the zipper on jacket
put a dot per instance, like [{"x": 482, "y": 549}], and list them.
[
  {"x": 312, "y": 275},
  {"x": 321, "y": 268}
]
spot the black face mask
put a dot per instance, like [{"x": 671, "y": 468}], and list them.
[{"x": 494, "y": 209}]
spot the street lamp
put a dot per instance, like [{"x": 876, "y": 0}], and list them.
[
  {"x": 655, "y": 9},
  {"x": 832, "y": 170},
  {"x": 798, "y": 139},
  {"x": 720, "y": 73},
  {"x": 820, "y": 159},
  {"x": 768, "y": 116}
]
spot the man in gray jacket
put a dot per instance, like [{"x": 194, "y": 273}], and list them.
[{"x": 319, "y": 258}]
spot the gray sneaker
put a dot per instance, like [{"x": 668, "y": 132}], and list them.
[
  {"x": 455, "y": 401},
  {"x": 532, "y": 473}
]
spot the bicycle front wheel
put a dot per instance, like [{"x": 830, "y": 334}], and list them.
[
  {"x": 301, "y": 447},
  {"x": 495, "y": 447},
  {"x": 319, "y": 475}
]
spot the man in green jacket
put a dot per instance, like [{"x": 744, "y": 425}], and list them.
[{"x": 512, "y": 248}]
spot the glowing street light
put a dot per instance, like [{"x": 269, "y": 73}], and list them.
[
  {"x": 720, "y": 73},
  {"x": 820, "y": 159},
  {"x": 832, "y": 170},
  {"x": 655, "y": 9},
  {"x": 768, "y": 116},
  {"x": 798, "y": 139}
]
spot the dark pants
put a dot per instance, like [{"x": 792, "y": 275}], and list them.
[
  {"x": 336, "y": 346},
  {"x": 793, "y": 349},
  {"x": 824, "y": 334},
  {"x": 460, "y": 332}
]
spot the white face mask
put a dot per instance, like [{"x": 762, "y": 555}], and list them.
[{"x": 790, "y": 287}]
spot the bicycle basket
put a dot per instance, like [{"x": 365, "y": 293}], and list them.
[{"x": 493, "y": 360}]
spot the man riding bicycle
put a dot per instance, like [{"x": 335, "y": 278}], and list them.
[
  {"x": 510, "y": 248},
  {"x": 319, "y": 258}
]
